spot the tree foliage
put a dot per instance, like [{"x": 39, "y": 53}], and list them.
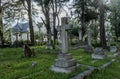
[{"x": 115, "y": 16}]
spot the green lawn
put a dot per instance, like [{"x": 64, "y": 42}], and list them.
[
  {"x": 14, "y": 66},
  {"x": 85, "y": 58},
  {"x": 111, "y": 72}
]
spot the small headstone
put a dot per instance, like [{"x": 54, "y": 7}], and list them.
[
  {"x": 113, "y": 49},
  {"x": 99, "y": 53},
  {"x": 89, "y": 49},
  {"x": 33, "y": 64},
  {"x": 48, "y": 46},
  {"x": 27, "y": 51}
]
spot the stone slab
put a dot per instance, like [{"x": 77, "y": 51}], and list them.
[
  {"x": 63, "y": 70},
  {"x": 95, "y": 56},
  {"x": 113, "y": 49}
]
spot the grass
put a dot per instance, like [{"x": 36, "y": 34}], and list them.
[
  {"x": 111, "y": 72},
  {"x": 14, "y": 66},
  {"x": 86, "y": 58}
]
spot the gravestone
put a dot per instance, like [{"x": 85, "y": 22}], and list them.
[
  {"x": 27, "y": 51},
  {"x": 113, "y": 49},
  {"x": 64, "y": 63},
  {"x": 99, "y": 53},
  {"x": 49, "y": 46},
  {"x": 89, "y": 49},
  {"x": 109, "y": 38},
  {"x": 80, "y": 34}
]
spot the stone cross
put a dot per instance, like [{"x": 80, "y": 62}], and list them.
[
  {"x": 64, "y": 35},
  {"x": 63, "y": 38},
  {"x": 64, "y": 63}
]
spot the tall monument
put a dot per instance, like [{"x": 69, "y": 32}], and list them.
[{"x": 64, "y": 63}]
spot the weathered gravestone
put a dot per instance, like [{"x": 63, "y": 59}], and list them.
[
  {"x": 109, "y": 39},
  {"x": 49, "y": 46},
  {"x": 65, "y": 63},
  {"x": 27, "y": 51},
  {"x": 113, "y": 49},
  {"x": 89, "y": 49},
  {"x": 99, "y": 53}
]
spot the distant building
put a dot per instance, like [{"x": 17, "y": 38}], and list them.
[
  {"x": 21, "y": 27},
  {"x": 20, "y": 31}
]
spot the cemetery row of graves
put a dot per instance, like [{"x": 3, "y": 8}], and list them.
[
  {"x": 81, "y": 61},
  {"x": 59, "y": 39},
  {"x": 15, "y": 65}
]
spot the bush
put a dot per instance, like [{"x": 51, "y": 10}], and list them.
[
  {"x": 21, "y": 43},
  {"x": 96, "y": 44}
]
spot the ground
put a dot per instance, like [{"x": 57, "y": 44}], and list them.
[{"x": 13, "y": 65}]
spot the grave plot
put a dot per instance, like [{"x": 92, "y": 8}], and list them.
[
  {"x": 86, "y": 59},
  {"x": 15, "y": 66}
]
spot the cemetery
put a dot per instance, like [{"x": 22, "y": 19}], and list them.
[{"x": 59, "y": 39}]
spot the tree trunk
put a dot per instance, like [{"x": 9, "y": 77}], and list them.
[
  {"x": 82, "y": 20},
  {"x": 102, "y": 27},
  {"x": 30, "y": 23},
  {"x": 48, "y": 27},
  {"x": 116, "y": 25},
  {"x": 1, "y": 26}
]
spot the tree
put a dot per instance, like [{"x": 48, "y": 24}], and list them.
[
  {"x": 100, "y": 4},
  {"x": 115, "y": 17},
  {"x": 30, "y": 19},
  {"x": 102, "y": 21},
  {"x": 45, "y": 6},
  {"x": 56, "y": 6},
  {"x": 84, "y": 12},
  {"x": 1, "y": 25},
  {"x": 4, "y": 5},
  {"x": 51, "y": 7},
  {"x": 30, "y": 22}
]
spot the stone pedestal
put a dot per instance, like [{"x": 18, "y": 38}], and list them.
[
  {"x": 65, "y": 64},
  {"x": 99, "y": 53}
]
